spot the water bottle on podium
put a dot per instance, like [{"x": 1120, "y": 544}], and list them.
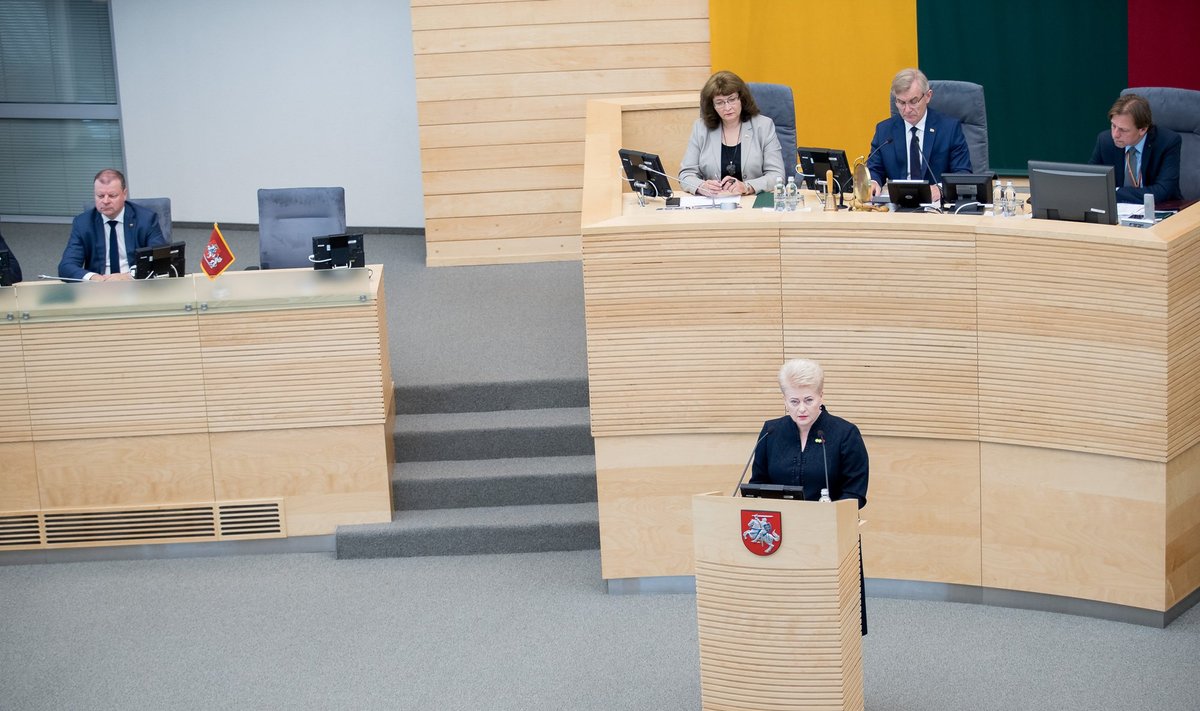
[
  {"x": 791, "y": 194},
  {"x": 780, "y": 196}
]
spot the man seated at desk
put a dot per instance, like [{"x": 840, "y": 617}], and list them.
[
  {"x": 14, "y": 267},
  {"x": 924, "y": 143},
  {"x": 1144, "y": 157},
  {"x": 104, "y": 240}
]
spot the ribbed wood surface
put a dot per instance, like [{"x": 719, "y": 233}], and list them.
[
  {"x": 890, "y": 314},
  {"x": 268, "y": 373},
  {"x": 1073, "y": 345},
  {"x": 1183, "y": 331},
  {"x": 683, "y": 331},
  {"x": 779, "y": 639},
  {"x": 501, "y": 95},
  {"x": 114, "y": 377},
  {"x": 14, "y": 398}
]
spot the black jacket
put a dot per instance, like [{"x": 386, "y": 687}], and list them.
[{"x": 779, "y": 460}]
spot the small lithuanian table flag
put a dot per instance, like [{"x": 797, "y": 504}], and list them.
[{"x": 217, "y": 255}]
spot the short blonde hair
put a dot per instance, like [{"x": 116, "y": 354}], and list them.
[
  {"x": 802, "y": 373},
  {"x": 904, "y": 80}
]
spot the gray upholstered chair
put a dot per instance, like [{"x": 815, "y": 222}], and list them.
[
  {"x": 160, "y": 206},
  {"x": 288, "y": 219},
  {"x": 1178, "y": 110},
  {"x": 964, "y": 101},
  {"x": 775, "y": 102}
]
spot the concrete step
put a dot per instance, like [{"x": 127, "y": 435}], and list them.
[
  {"x": 471, "y": 531},
  {"x": 493, "y": 435},
  {"x": 490, "y": 397},
  {"x": 494, "y": 482}
]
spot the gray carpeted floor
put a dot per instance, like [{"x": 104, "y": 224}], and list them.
[{"x": 532, "y": 631}]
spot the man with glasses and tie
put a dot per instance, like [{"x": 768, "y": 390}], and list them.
[
  {"x": 104, "y": 240},
  {"x": 920, "y": 143},
  {"x": 1145, "y": 157}
]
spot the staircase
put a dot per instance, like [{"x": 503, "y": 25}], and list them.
[{"x": 487, "y": 469}]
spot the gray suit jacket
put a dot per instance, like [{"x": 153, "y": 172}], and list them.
[{"x": 762, "y": 161}]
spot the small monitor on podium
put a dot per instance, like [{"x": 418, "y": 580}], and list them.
[
  {"x": 1078, "y": 192},
  {"x": 772, "y": 491},
  {"x": 338, "y": 252},
  {"x": 159, "y": 262},
  {"x": 967, "y": 192},
  {"x": 644, "y": 173},
  {"x": 909, "y": 194},
  {"x": 815, "y": 162}
]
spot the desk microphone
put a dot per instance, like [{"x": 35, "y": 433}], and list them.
[
  {"x": 646, "y": 167},
  {"x": 821, "y": 441},
  {"x": 871, "y": 155},
  {"x": 751, "y": 459}
]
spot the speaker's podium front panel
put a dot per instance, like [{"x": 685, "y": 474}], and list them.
[{"x": 777, "y": 603}]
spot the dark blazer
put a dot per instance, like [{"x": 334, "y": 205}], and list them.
[
  {"x": 778, "y": 459},
  {"x": 14, "y": 265},
  {"x": 86, "y": 246},
  {"x": 944, "y": 147},
  {"x": 1160, "y": 165}
]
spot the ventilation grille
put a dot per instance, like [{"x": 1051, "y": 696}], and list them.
[
  {"x": 20, "y": 531},
  {"x": 130, "y": 526},
  {"x": 258, "y": 520}
]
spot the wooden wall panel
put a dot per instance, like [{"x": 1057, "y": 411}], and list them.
[
  {"x": 18, "y": 477},
  {"x": 655, "y": 301},
  {"x": 890, "y": 315},
  {"x": 1183, "y": 333},
  {"x": 501, "y": 99},
  {"x": 114, "y": 377},
  {"x": 1183, "y": 526},
  {"x": 1073, "y": 344},
  {"x": 14, "y": 398}
]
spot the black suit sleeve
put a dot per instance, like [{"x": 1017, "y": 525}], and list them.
[{"x": 855, "y": 467}]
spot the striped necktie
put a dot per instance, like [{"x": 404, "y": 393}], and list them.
[{"x": 1131, "y": 168}]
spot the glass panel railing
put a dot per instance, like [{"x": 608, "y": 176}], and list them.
[
  {"x": 48, "y": 300},
  {"x": 284, "y": 289}
]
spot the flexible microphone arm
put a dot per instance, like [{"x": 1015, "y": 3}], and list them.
[
  {"x": 871, "y": 155},
  {"x": 646, "y": 167},
  {"x": 751, "y": 459},
  {"x": 825, "y": 461}
]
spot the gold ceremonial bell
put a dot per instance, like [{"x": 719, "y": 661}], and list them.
[{"x": 862, "y": 189}]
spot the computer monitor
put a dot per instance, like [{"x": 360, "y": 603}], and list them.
[
  {"x": 909, "y": 194},
  {"x": 645, "y": 173},
  {"x": 964, "y": 189},
  {"x": 159, "y": 262},
  {"x": 6, "y": 276},
  {"x": 1073, "y": 191},
  {"x": 772, "y": 491},
  {"x": 815, "y": 162},
  {"x": 338, "y": 252}
]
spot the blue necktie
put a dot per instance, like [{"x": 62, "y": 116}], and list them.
[
  {"x": 914, "y": 157},
  {"x": 114, "y": 255}
]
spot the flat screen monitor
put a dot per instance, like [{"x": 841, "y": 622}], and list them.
[
  {"x": 645, "y": 173},
  {"x": 338, "y": 252},
  {"x": 6, "y": 276},
  {"x": 772, "y": 491},
  {"x": 1073, "y": 191},
  {"x": 968, "y": 192},
  {"x": 815, "y": 162},
  {"x": 909, "y": 194},
  {"x": 159, "y": 262}
]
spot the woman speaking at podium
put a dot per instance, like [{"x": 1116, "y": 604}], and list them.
[
  {"x": 733, "y": 149},
  {"x": 811, "y": 448}
]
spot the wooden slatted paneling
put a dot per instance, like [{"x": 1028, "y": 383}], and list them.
[
  {"x": 1073, "y": 345},
  {"x": 113, "y": 378},
  {"x": 890, "y": 315},
  {"x": 501, "y": 98},
  {"x": 313, "y": 368},
  {"x": 683, "y": 331},
  {"x": 14, "y": 398}
]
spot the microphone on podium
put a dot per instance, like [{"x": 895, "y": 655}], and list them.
[
  {"x": 751, "y": 459},
  {"x": 824, "y": 460},
  {"x": 878, "y": 148}
]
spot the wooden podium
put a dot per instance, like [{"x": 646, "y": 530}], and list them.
[{"x": 780, "y": 630}]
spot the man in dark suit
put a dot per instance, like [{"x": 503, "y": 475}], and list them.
[
  {"x": 924, "y": 144},
  {"x": 1144, "y": 157},
  {"x": 105, "y": 239},
  {"x": 14, "y": 267}
]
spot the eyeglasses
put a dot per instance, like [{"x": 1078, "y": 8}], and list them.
[
  {"x": 911, "y": 103},
  {"x": 722, "y": 103}
]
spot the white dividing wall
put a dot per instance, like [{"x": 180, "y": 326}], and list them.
[{"x": 222, "y": 97}]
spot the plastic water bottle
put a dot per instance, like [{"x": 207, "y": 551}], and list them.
[
  {"x": 791, "y": 194},
  {"x": 780, "y": 196},
  {"x": 1010, "y": 200},
  {"x": 825, "y": 496},
  {"x": 997, "y": 199}
]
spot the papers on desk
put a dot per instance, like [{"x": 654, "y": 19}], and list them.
[
  {"x": 699, "y": 201},
  {"x": 1125, "y": 210}
]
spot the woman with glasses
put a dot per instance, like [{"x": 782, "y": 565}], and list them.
[
  {"x": 811, "y": 448},
  {"x": 733, "y": 149}
]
